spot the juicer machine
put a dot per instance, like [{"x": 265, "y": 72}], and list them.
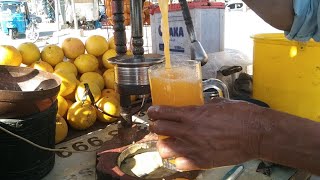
[{"x": 131, "y": 72}]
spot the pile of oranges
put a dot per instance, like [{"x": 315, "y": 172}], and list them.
[{"x": 75, "y": 63}]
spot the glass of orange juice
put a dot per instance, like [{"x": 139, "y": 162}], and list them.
[{"x": 180, "y": 85}]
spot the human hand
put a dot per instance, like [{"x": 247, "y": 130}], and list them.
[{"x": 220, "y": 133}]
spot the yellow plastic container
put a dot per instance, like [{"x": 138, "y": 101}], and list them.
[{"x": 286, "y": 75}]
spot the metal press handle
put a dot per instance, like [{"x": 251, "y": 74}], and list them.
[
  {"x": 188, "y": 20},
  {"x": 197, "y": 52},
  {"x": 217, "y": 85}
]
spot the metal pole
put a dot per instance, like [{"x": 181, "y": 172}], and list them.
[
  {"x": 34, "y": 9},
  {"x": 59, "y": 11},
  {"x": 137, "y": 28},
  {"x": 56, "y": 13},
  {"x": 62, "y": 7},
  {"x": 75, "y": 21}
]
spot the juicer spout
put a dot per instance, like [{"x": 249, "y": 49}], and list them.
[{"x": 197, "y": 51}]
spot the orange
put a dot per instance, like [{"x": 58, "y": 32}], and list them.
[
  {"x": 81, "y": 115},
  {"x": 30, "y": 53},
  {"x": 52, "y": 54},
  {"x": 42, "y": 66},
  {"x": 61, "y": 129},
  {"x": 113, "y": 93},
  {"x": 62, "y": 106},
  {"x": 106, "y": 56},
  {"x": 93, "y": 77},
  {"x": 71, "y": 96},
  {"x": 109, "y": 80},
  {"x": 110, "y": 93},
  {"x": 109, "y": 105},
  {"x": 69, "y": 105},
  {"x": 96, "y": 45},
  {"x": 68, "y": 84},
  {"x": 73, "y": 47},
  {"x": 86, "y": 63},
  {"x": 95, "y": 90},
  {"x": 67, "y": 67},
  {"x": 10, "y": 56},
  {"x": 112, "y": 45}
]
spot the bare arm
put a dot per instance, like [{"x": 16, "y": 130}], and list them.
[
  {"x": 277, "y": 13},
  {"x": 290, "y": 141},
  {"x": 227, "y": 132}
]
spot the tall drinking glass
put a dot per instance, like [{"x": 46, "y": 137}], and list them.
[{"x": 181, "y": 85}]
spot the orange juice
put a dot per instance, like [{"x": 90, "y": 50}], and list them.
[
  {"x": 174, "y": 84},
  {"x": 181, "y": 85},
  {"x": 164, "y": 6}
]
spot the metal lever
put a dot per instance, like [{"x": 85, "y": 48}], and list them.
[{"x": 197, "y": 51}]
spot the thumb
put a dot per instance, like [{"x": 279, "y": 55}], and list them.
[
  {"x": 166, "y": 113},
  {"x": 186, "y": 164}
]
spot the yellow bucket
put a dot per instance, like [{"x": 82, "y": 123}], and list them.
[{"x": 286, "y": 75}]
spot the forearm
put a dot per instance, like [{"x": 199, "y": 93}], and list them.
[
  {"x": 277, "y": 13},
  {"x": 290, "y": 141}
]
